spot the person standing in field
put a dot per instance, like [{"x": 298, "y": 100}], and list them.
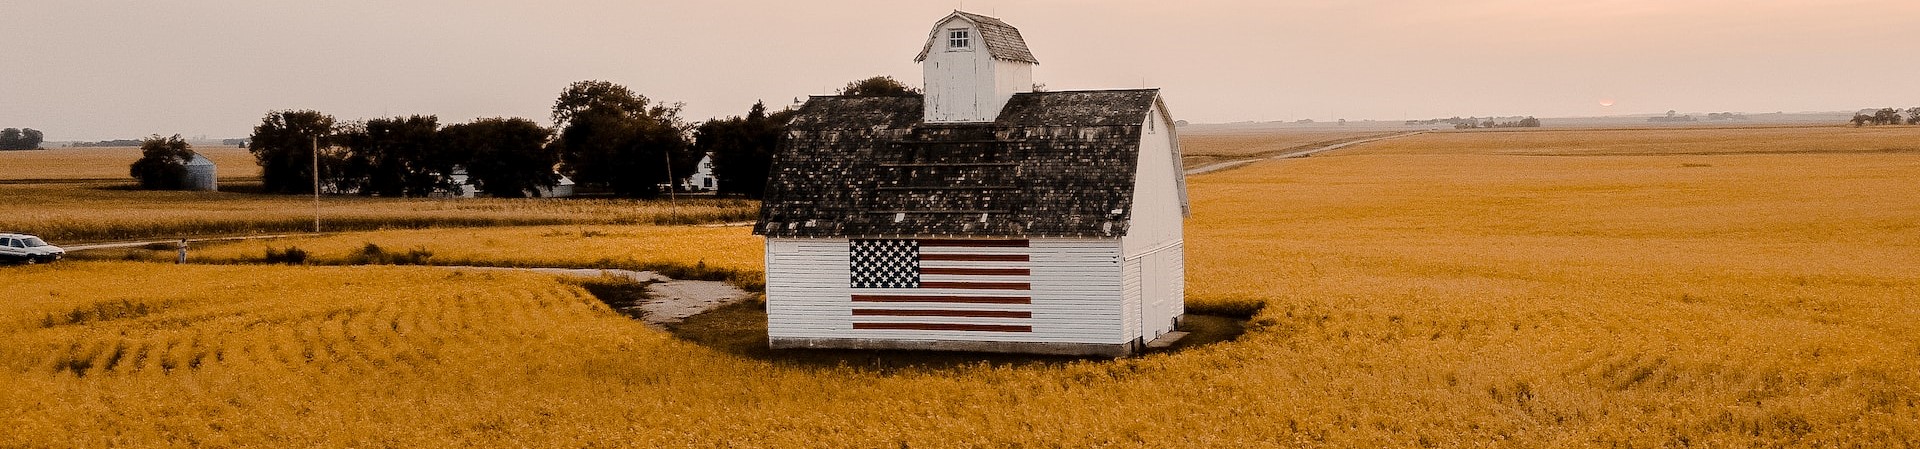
[{"x": 183, "y": 253}]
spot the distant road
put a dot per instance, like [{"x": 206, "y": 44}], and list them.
[{"x": 1231, "y": 164}]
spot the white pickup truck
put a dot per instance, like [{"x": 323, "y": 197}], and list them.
[{"x": 22, "y": 248}]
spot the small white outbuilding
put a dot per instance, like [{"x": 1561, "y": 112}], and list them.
[{"x": 981, "y": 216}]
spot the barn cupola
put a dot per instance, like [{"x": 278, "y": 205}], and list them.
[{"x": 973, "y": 65}]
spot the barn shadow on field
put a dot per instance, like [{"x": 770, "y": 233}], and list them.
[{"x": 741, "y": 329}]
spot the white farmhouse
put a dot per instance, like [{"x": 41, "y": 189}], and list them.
[
  {"x": 980, "y": 217},
  {"x": 702, "y": 179}
]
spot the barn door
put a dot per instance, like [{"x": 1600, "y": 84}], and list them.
[{"x": 1153, "y": 292}]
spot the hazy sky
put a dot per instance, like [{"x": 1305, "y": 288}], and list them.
[{"x": 100, "y": 69}]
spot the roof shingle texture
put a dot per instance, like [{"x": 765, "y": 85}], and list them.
[
  {"x": 1003, "y": 41},
  {"x": 1055, "y": 164}
]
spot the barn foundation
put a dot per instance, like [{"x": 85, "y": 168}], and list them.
[{"x": 1115, "y": 350}]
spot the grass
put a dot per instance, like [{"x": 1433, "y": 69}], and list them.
[
  {"x": 1434, "y": 291},
  {"x": 67, "y": 213}
]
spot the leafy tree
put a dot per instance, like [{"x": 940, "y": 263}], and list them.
[
  {"x": 1886, "y": 116},
  {"x": 1529, "y": 122},
  {"x": 1913, "y": 116},
  {"x": 163, "y": 163},
  {"x": 283, "y": 145},
  {"x": 614, "y": 138},
  {"x": 32, "y": 138},
  {"x": 505, "y": 157},
  {"x": 1860, "y": 120},
  {"x": 20, "y": 139},
  {"x": 742, "y": 148},
  {"x": 879, "y": 86},
  {"x": 396, "y": 156}
]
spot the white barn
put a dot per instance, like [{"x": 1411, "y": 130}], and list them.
[{"x": 981, "y": 216}]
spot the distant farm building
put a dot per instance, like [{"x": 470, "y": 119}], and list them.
[
  {"x": 702, "y": 179},
  {"x": 981, "y": 216},
  {"x": 202, "y": 174}
]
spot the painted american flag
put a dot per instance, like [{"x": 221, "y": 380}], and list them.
[{"x": 941, "y": 284}]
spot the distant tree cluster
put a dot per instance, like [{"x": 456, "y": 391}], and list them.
[
  {"x": 742, "y": 148},
  {"x": 163, "y": 163},
  {"x": 400, "y": 156},
  {"x": 1886, "y": 116},
  {"x": 1725, "y": 116},
  {"x": 108, "y": 143},
  {"x": 1672, "y": 116},
  {"x": 881, "y": 86},
  {"x": 20, "y": 139},
  {"x": 1477, "y": 122},
  {"x": 606, "y": 137},
  {"x": 615, "y": 139}
]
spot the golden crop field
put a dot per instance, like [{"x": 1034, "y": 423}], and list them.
[
  {"x": 109, "y": 163},
  {"x": 64, "y": 213},
  {"x": 728, "y": 247},
  {"x": 1431, "y": 291},
  {"x": 1670, "y": 141},
  {"x": 1205, "y": 147}
]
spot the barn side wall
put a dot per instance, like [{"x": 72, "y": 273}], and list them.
[
  {"x": 1154, "y": 241},
  {"x": 1076, "y": 303}
]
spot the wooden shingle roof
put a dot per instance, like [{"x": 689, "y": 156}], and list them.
[
  {"x": 1003, "y": 41},
  {"x": 1055, "y": 164}
]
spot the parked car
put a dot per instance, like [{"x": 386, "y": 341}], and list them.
[{"x": 22, "y": 248}]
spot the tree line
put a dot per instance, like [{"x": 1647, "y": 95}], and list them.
[
  {"x": 1886, "y": 116},
  {"x": 606, "y": 137},
  {"x": 20, "y": 139}
]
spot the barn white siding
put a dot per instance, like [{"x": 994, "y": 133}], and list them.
[
  {"x": 1154, "y": 239},
  {"x": 1076, "y": 296}
]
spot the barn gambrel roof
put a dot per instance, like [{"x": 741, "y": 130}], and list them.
[
  {"x": 1054, "y": 164},
  {"x": 1003, "y": 41}
]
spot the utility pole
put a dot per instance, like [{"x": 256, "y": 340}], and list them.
[
  {"x": 671, "y": 184},
  {"x": 316, "y": 184}
]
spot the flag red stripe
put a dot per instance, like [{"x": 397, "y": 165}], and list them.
[
  {"x": 944, "y": 313},
  {"x": 951, "y": 299},
  {"x": 973, "y": 243},
  {"x": 974, "y": 257},
  {"x": 979, "y": 285},
  {"x": 978, "y": 271},
  {"x": 942, "y": 327}
]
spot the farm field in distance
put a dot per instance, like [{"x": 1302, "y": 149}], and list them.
[
  {"x": 1672, "y": 287},
  {"x": 109, "y": 163}
]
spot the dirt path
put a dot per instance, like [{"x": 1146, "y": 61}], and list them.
[
  {"x": 112, "y": 245},
  {"x": 669, "y": 301},
  {"x": 1231, "y": 164}
]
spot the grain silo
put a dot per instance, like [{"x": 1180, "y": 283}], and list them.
[{"x": 202, "y": 175}]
